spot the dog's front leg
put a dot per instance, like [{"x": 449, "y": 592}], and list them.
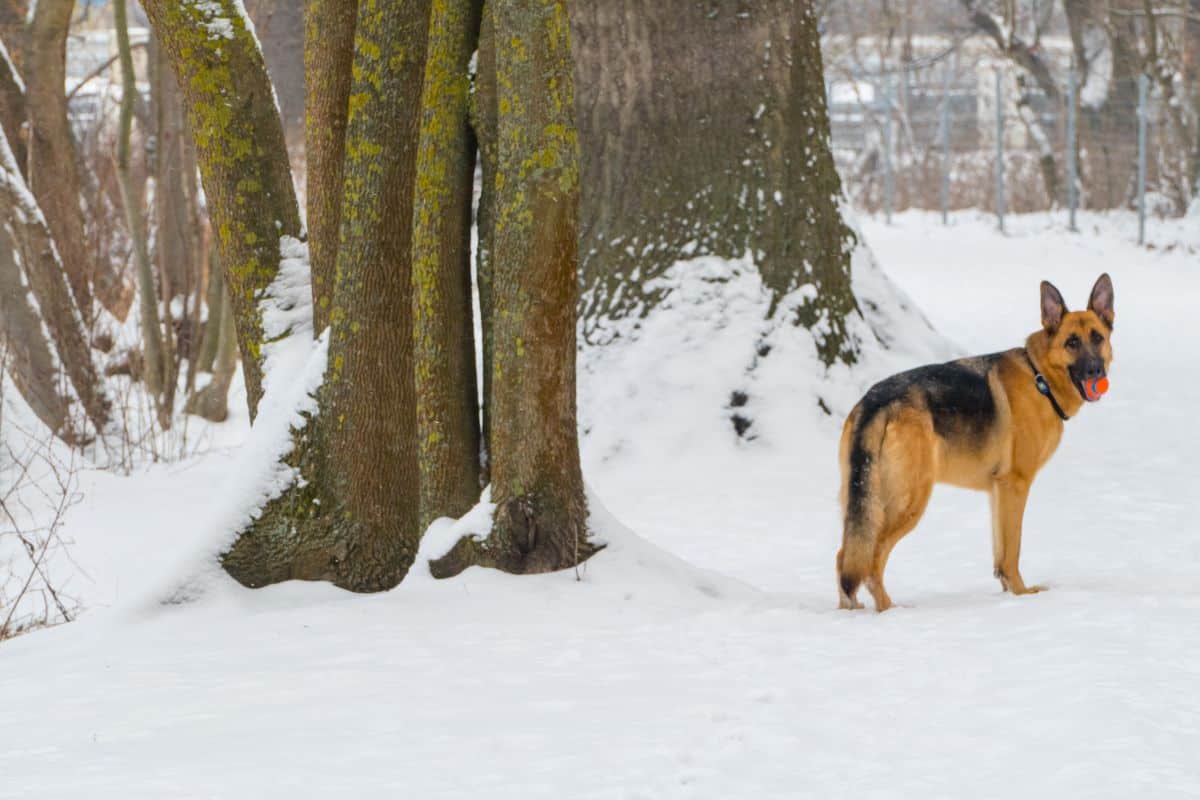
[{"x": 1008, "y": 497}]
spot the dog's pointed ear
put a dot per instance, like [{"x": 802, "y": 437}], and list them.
[
  {"x": 1101, "y": 301},
  {"x": 1053, "y": 307}
]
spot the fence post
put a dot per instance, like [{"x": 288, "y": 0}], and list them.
[
  {"x": 1141, "y": 157},
  {"x": 999, "y": 151},
  {"x": 889, "y": 177},
  {"x": 1072, "y": 156},
  {"x": 946, "y": 148}
]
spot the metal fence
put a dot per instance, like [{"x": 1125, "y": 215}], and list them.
[{"x": 951, "y": 138}]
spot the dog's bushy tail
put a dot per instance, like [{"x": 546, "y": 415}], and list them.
[{"x": 860, "y": 530}]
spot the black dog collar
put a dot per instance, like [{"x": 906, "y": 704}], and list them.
[{"x": 1043, "y": 387}]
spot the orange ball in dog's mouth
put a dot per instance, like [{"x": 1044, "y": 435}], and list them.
[{"x": 1094, "y": 389}]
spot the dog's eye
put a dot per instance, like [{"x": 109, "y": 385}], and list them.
[
  {"x": 1072, "y": 342},
  {"x": 1097, "y": 339}
]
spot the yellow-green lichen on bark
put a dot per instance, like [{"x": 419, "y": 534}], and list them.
[
  {"x": 240, "y": 150},
  {"x": 443, "y": 339}
]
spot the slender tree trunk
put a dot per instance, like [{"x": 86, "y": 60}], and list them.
[
  {"x": 29, "y": 360},
  {"x": 716, "y": 110},
  {"x": 1029, "y": 59},
  {"x": 241, "y": 151},
  {"x": 216, "y": 302},
  {"x": 447, "y": 405},
  {"x": 1108, "y": 118},
  {"x": 13, "y": 112},
  {"x": 212, "y": 401},
  {"x": 47, "y": 282},
  {"x": 540, "y": 522},
  {"x": 328, "y": 56},
  {"x": 13, "y": 28},
  {"x": 156, "y": 370},
  {"x": 53, "y": 166},
  {"x": 353, "y": 518}
]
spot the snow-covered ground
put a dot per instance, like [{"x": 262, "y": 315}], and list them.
[{"x": 702, "y": 657}]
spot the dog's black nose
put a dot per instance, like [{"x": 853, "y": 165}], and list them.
[{"x": 1093, "y": 369}]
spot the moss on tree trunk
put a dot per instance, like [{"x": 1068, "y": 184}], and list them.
[
  {"x": 540, "y": 522},
  {"x": 241, "y": 152},
  {"x": 353, "y": 519},
  {"x": 447, "y": 405}
]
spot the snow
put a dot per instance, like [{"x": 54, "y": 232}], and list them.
[
  {"x": 700, "y": 655},
  {"x": 218, "y": 25},
  {"x": 1094, "y": 91}
]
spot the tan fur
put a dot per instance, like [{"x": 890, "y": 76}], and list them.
[{"x": 910, "y": 457}]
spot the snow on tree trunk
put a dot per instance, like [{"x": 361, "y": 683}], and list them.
[
  {"x": 47, "y": 282},
  {"x": 25, "y": 349}
]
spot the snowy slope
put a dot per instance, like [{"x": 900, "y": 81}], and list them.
[{"x": 702, "y": 657}]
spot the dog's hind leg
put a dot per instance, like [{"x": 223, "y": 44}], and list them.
[{"x": 899, "y": 527}]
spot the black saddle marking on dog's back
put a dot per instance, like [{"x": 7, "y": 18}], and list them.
[{"x": 957, "y": 396}]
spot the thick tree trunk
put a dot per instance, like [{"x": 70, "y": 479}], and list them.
[
  {"x": 353, "y": 518},
  {"x": 447, "y": 405},
  {"x": 156, "y": 371},
  {"x": 1107, "y": 117},
  {"x": 540, "y": 522},
  {"x": 328, "y": 56},
  {"x": 704, "y": 131},
  {"x": 25, "y": 350},
  {"x": 240, "y": 148},
  {"x": 53, "y": 165},
  {"x": 47, "y": 282}
]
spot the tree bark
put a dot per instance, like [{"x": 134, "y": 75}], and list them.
[
  {"x": 447, "y": 405},
  {"x": 1028, "y": 57},
  {"x": 25, "y": 350},
  {"x": 212, "y": 401},
  {"x": 53, "y": 164},
  {"x": 704, "y": 132},
  {"x": 353, "y": 518},
  {"x": 1107, "y": 129},
  {"x": 216, "y": 302},
  {"x": 328, "y": 57},
  {"x": 156, "y": 372},
  {"x": 12, "y": 106},
  {"x": 540, "y": 522},
  {"x": 47, "y": 282},
  {"x": 240, "y": 148}
]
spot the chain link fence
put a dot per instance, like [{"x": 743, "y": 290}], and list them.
[{"x": 980, "y": 134}]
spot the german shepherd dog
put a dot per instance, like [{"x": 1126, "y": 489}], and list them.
[{"x": 987, "y": 423}]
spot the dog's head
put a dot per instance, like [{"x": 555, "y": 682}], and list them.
[{"x": 1079, "y": 342}]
